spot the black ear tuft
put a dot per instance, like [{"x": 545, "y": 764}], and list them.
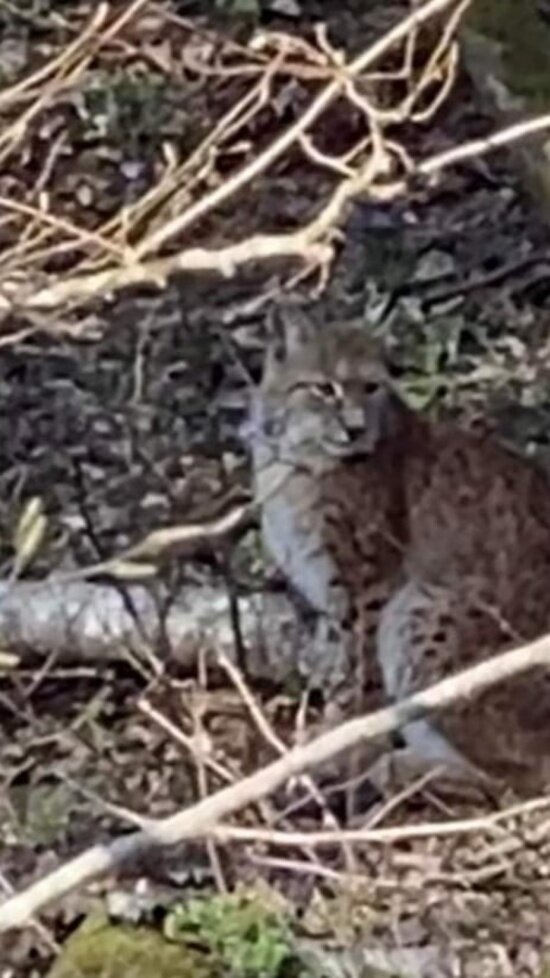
[{"x": 276, "y": 334}]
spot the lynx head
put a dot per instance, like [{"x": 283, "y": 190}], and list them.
[{"x": 325, "y": 395}]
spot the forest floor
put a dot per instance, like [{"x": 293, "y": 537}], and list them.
[{"x": 134, "y": 425}]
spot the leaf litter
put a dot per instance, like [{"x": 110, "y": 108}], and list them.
[{"x": 135, "y": 425}]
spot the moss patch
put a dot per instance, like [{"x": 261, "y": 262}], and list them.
[{"x": 102, "y": 950}]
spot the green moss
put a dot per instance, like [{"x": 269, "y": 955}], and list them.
[
  {"x": 246, "y": 934},
  {"x": 524, "y": 38},
  {"x": 102, "y": 950}
]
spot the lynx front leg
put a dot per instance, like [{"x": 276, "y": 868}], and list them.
[
  {"x": 293, "y": 534},
  {"x": 327, "y": 662}
]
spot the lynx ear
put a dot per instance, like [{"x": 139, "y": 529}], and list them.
[
  {"x": 300, "y": 329},
  {"x": 289, "y": 320},
  {"x": 373, "y": 346},
  {"x": 289, "y": 331}
]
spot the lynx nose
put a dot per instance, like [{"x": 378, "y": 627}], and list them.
[{"x": 353, "y": 419}]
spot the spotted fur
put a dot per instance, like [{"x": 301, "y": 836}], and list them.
[{"x": 429, "y": 542}]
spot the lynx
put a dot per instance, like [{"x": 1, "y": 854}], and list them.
[{"x": 429, "y": 543}]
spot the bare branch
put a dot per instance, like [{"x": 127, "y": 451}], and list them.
[
  {"x": 306, "y": 244},
  {"x": 201, "y": 819},
  {"x": 126, "y": 250}
]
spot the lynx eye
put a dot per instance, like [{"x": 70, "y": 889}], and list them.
[
  {"x": 327, "y": 390},
  {"x": 371, "y": 387}
]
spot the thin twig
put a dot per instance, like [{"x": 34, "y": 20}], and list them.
[
  {"x": 262, "y": 162},
  {"x": 201, "y": 736},
  {"x": 272, "y": 738},
  {"x": 490, "y": 824},
  {"x": 188, "y": 743},
  {"x": 306, "y": 243},
  {"x": 201, "y": 819},
  {"x": 167, "y": 542}
]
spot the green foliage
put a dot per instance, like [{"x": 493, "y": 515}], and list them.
[
  {"x": 246, "y": 937},
  {"x": 243, "y": 8},
  {"x": 524, "y": 37},
  {"x": 127, "y": 110}
]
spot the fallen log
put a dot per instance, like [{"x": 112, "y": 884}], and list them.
[{"x": 84, "y": 622}]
